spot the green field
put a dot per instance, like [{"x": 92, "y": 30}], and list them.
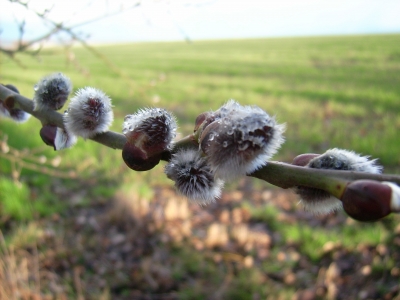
[{"x": 330, "y": 91}]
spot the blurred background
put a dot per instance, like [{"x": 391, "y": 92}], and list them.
[{"x": 78, "y": 224}]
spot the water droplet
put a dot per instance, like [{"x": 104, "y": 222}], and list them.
[
  {"x": 225, "y": 144},
  {"x": 243, "y": 147},
  {"x": 211, "y": 137},
  {"x": 36, "y": 87}
]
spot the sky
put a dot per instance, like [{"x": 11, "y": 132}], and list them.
[{"x": 163, "y": 20}]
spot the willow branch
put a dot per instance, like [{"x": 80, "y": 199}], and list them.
[
  {"x": 333, "y": 181},
  {"x": 277, "y": 173},
  {"x": 110, "y": 139}
]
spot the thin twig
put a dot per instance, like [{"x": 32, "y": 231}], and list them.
[
  {"x": 35, "y": 167},
  {"x": 23, "y": 46}
]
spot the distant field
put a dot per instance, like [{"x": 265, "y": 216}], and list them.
[
  {"x": 331, "y": 91},
  {"x": 102, "y": 234}
]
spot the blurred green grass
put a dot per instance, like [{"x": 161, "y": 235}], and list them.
[{"x": 331, "y": 91}]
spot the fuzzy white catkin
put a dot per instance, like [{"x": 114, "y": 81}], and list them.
[
  {"x": 241, "y": 140},
  {"x": 89, "y": 113},
  {"x": 17, "y": 115},
  {"x": 51, "y": 92},
  {"x": 340, "y": 159},
  {"x": 157, "y": 123},
  {"x": 317, "y": 201},
  {"x": 64, "y": 139},
  {"x": 193, "y": 178},
  {"x": 321, "y": 202}
]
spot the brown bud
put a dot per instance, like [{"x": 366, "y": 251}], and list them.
[
  {"x": 303, "y": 159},
  {"x": 9, "y": 102},
  {"x": 152, "y": 130},
  {"x": 200, "y": 120},
  {"x": 136, "y": 159},
  {"x": 208, "y": 134},
  {"x": 48, "y": 134},
  {"x": 367, "y": 200}
]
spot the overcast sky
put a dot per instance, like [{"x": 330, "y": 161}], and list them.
[{"x": 159, "y": 20}]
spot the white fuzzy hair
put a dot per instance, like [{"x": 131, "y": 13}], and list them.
[
  {"x": 64, "y": 139},
  {"x": 321, "y": 202},
  {"x": 144, "y": 116},
  {"x": 80, "y": 111},
  {"x": 228, "y": 149},
  {"x": 49, "y": 89},
  {"x": 200, "y": 187}
]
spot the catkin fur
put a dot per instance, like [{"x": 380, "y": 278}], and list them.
[
  {"x": 64, "y": 139},
  {"x": 89, "y": 113},
  {"x": 157, "y": 124},
  {"x": 193, "y": 178},
  {"x": 51, "y": 92},
  {"x": 239, "y": 140},
  {"x": 321, "y": 202}
]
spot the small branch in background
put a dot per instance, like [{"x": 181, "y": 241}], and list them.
[
  {"x": 31, "y": 161},
  {"x": 20, "y": 163},
  {"x": 78, "y": 283},
  {"x": 57, "y": 27}
]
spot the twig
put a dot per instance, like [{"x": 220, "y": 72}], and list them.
[
  {"x": 287, "y": 176},
  {"x": 110, "y": 138},
  {"x": 35, "y": 167},
  {"x": 22, "y": 46},
  {"x": 78, "y": 282}
]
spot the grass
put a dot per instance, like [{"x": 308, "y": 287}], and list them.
[
  {"x": 15, "y": 200},
  {"x": 312, "y": 239},
  {"x": 331, "y": 91}
]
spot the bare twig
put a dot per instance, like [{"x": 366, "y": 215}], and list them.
[
  {"x": 35, "y": 167},
  {"x": 110, "y": 139},
  {"x": 57, "y": 27}
]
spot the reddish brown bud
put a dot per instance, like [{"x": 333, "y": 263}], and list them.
[
  {"x": 136, "y": 159},
  {"x": 200, "y": 120},
  {"x": 367, "y": 200},
  {"x": 9, "y": 102},
  {"x": 48, "y": 134},
  {"x": 303, "y": 159},
  {"x": 8, "y": 109},
  {"x": 152, "y": 130}
]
